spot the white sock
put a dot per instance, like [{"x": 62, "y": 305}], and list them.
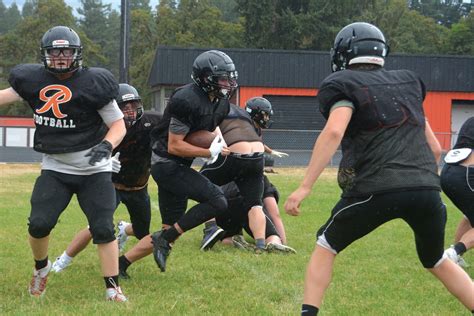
[{"x": 66, "y": 257}]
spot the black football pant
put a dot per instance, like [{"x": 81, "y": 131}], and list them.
[
  {"x": 53, "y": 192},
  {"x": 177, "y": 183},
  {"x": 139, "y": 208}
]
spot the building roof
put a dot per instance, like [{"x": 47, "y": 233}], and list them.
[{"x": 307, "y": 69}]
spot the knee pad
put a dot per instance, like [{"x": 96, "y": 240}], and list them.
[
  {"x": 102, "y": 233},
  {"x": 39, "y": 228}
]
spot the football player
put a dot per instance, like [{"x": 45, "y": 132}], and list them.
[
  {"x": 261, "y": 111},
  {"x": 130, "y": 178},
  {"x": 201, "y": 105},
  {"x": 457, "y": 181},
  {"x": 78, "y": 123},
  {"x": 389, "y": 162}
]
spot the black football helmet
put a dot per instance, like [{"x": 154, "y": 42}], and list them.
[
  {"x": 211, "y": 66},
  {"x": 130, "y": 103},
  {"x": 260, "y": 109},
  {"x": 56, "y": 42},
  {"x": 358, "y": 43}
]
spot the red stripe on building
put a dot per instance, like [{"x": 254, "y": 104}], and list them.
[{"x": 11, "y": 121}]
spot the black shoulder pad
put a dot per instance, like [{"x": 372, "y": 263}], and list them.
[
  {"x": 330, "y": 92},
  {"x": 99, "y": 85}
]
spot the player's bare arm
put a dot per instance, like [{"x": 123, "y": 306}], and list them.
[
  {"x": 116, "y": 132},
  {"x": 324, "y": 148},
  {"x": 433, "y": 142},
  {"x": 179, "y": 147},
  {"x": 8, "y": 96}
]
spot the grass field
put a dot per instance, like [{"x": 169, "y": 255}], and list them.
[{"x": 378, "y": 275}]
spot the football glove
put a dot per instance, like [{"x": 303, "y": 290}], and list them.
[
  {"x": 116, "y": 163},
  {"x": 216, "y": 148},
  {"x": 279, "y": 154},
  {"x": 101, "y": 151}
]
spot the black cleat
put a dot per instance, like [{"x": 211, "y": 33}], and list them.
[
  {"x": 211, "y": 235},
  {"x": 161, "y": 250},
  {"x": 123, "y": 274}
]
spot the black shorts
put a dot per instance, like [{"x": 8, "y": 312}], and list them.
[
  {"x": 176, "y": 183},
  {"x": 245, "y": 170},
  {"x": 269, "y": 190},
  {"x": 53, "y": 192},
  {"x": 139, "y": 208},
  {"x": 423, "y": 210},
  {"x": 458, "y": 184}
]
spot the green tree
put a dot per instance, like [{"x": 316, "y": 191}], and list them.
[
  {"x": 28, "y": 8},
  {"x": 9, "y": 17},
  {"x": 95, "y": 24},
  {"x": 461, "y": 37},
  {"x": 140, "y": 5},
  {"x": 143, "y": 44},
  {"x": 195, "y": 23},
  {"x": 228, "y": 9}
]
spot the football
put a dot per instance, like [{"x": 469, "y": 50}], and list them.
[{"x": 200, "y": 138}]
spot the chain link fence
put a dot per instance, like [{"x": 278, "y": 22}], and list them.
[{"x": 298, "y": 144}]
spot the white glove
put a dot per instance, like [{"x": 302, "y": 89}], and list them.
[
  {"x": 216, "y": 148},
  {"x": 116, "y": 166},
  {"x": 278, "y": 154}
]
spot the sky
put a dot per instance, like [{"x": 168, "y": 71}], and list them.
[{"x": 77, "y": 3}]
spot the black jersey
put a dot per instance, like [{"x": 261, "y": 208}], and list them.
[
  {"x": 384, "y": 147},
  {"x": 466, "y": 135},
  {"x": 191, "y": 106},
  {"x": 135, "y": 153},
  {"x": 238, "y": 126},
  {"x": 65, "y": 111}
]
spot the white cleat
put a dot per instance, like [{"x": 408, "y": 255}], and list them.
[
  {"x": 37, "y": 286},
  {"x": 115, "y": 294},
  {"x": 122, "y": 236},
  {"x": 61, "y": 263},
  {"x": 452, "y": 255}
]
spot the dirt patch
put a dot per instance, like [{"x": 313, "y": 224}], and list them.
[{"x": 7, "y": 169}]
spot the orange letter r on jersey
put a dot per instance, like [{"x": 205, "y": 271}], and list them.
[{"x": 57, "y": 94}]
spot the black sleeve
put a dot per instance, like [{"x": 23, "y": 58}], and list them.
[
  {"x": 100, "y": 87},
  {"x": 22, "y": 79},
  {"x": 180, "y": 110},
  {"x": 330, "y": 93}
]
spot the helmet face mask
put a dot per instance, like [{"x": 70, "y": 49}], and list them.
[
  {"x": 260, "y": 110},
  {"x": 61, "y": 50},
  {"x": 214, "y": 72},
  {"x": 358, "y": 43},
  {"x": 130, "y": 103}
]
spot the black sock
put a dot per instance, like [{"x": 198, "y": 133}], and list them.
[
  {"x": 111, "y": 281},
  {"x": 40, "y": 264},
  {"x": 124, "y": 263},
  {"x": 171, "y": 234},
  {"x": 309, "y": 310},
  {"x": 460, "y": 248},
  {"x": 210, "y": 224}
]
